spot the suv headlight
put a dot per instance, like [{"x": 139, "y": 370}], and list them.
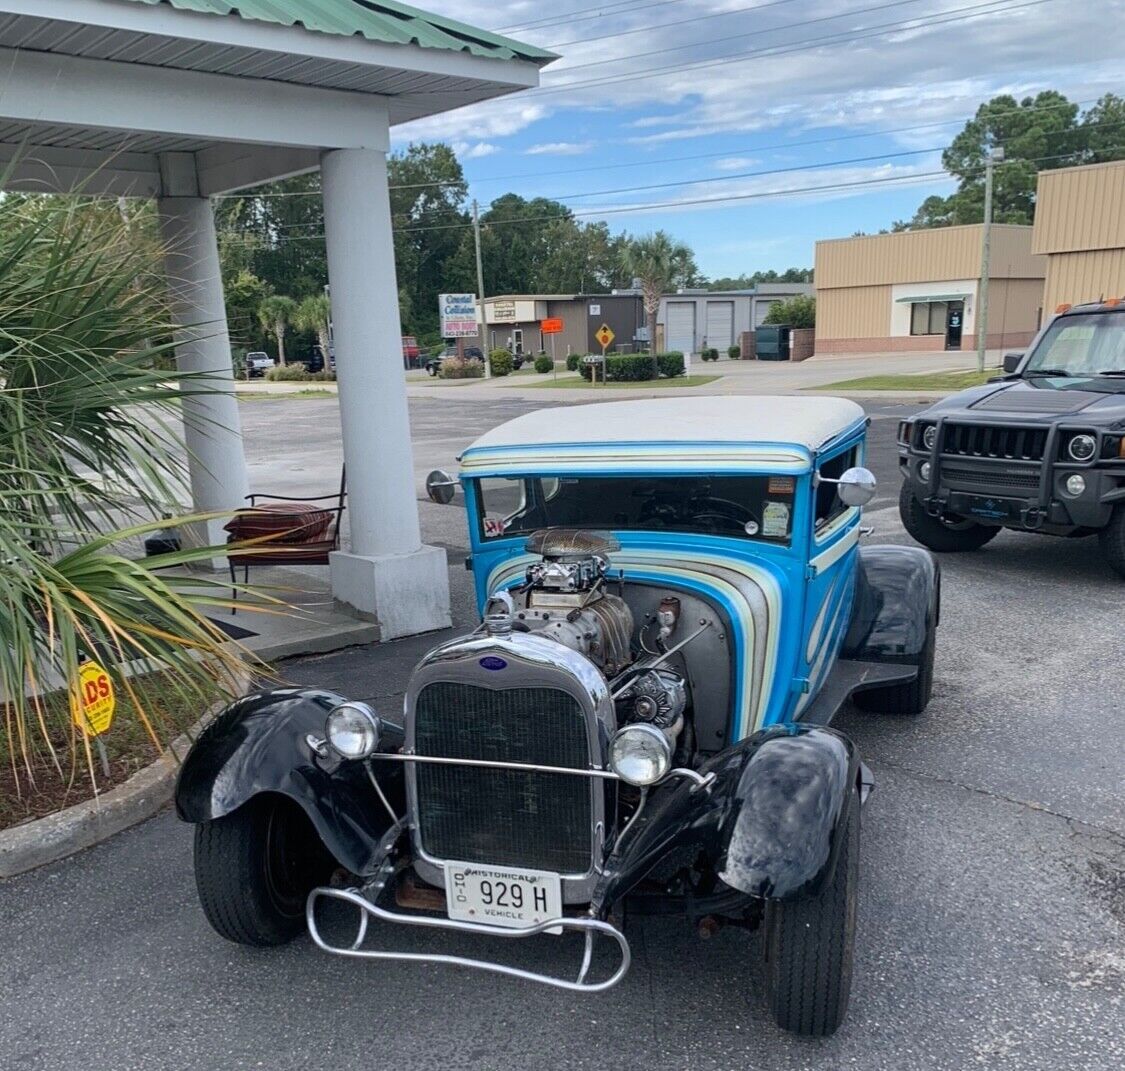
[
  {"x": 353, "y": 730},
  {"x": 929, "y": 436},
  {"x": 1081, "y": 447},
  {"x": 640, "y": 754}
]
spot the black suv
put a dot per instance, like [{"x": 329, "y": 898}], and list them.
[{"x": 1040, "y": 449}]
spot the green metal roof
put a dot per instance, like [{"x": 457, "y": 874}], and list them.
[{"x": 376, "y": 20}]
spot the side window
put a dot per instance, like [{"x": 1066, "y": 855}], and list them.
[{"x": 828, "y": 505}]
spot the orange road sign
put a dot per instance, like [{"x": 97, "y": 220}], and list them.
[{"x": 553, "y": 326}]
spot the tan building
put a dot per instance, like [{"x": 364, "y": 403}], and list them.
[
  {"x": 1080, "y": 226},
  {"x": 917, "y": 290}
]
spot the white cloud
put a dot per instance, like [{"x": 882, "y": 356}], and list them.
[
  {"x": 735, "y": 163},
  {"x": 474, "y": 151},
  {"x": 560, "y": 148}
]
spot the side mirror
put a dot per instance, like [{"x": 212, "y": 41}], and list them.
[
  {"x": 441, "y": 487},
  {"x": 856, "y": 487},
  {"x": 1012, "y": 361}
]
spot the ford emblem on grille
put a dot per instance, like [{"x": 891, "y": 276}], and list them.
[{"x": 492, "y": 662}]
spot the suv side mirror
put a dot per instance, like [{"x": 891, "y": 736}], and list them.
[
  {"x": 1012, "y": 361},
  {"x": 856, "y": 487},
  {"x": 441, "y": 487}
]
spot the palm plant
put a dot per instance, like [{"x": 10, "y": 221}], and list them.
[
  {"x": 314, "y": 314},
  {"x": 654, "y": 260},
  {"x": 88, "y": 442},
  {"x": 276, "y": 314}
]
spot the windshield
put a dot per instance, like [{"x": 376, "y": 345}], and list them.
[
  {"x": 750, "y": 507},
  {"x": 1083, "y": 346}
]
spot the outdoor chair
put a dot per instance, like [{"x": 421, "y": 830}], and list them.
[{"x": 287, "y": 530}]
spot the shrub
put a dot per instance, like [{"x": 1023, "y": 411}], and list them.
[
  {"x": 500, "y": 361},
  {"x": 573, "y": 360},
  {"x": 710, "y": 354},
  {"x": 734, "y": 352},
  {"x": 543, "y": 364},
  {"x": 288, "y": 373},
  {"x": 636, "y": 367},
  {"x": 458, "y": 368},
  {"x": 325, "y": 375},
  {"x": 798, "y": 311},
  {"x": 670, "y": 364}
]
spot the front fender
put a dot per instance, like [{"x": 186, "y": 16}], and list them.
[
  {"x": 897, "y": 605},
  {"x": 258, "y": 745},
  {"x": 769, "y": 825}
]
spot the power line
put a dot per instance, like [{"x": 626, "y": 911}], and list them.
[
  {"x": 627, "y": 7},
  {"x": 679, "y": 22},
  {"x": 990, "y": 7},
  {"x": 913, "y": 128}
]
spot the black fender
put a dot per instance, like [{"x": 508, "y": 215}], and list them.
[
  {"x": 770, "y": 824},
  {"x": 897, "y": 605},
  {"x": 258, "y": 744}
]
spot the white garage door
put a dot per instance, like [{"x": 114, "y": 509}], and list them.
[
  {"x": 679, "y": 331},
  {"x": 720, "y": 325},
  {"x": 761, "y": 311}
]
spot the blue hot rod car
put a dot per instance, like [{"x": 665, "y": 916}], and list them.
[{"x": 674, "y": 604}]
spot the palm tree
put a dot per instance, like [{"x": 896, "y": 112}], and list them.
[
  {"x": 88, "y": 439},
  {"x": 655, "y": 261},
  {"x": 276, "y": 313},
  {"x": 314, "y": 314}
]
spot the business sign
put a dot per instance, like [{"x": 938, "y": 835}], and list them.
[
  {"x": 595, "y": 310},
  {"x": 93, "y": 701},
  {"x": 458, "y": 315},
  {"x": 503, "y": 311},
  {"x": 552, "y": 326}
]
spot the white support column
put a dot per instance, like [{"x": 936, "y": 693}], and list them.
[
  {"x": 389, "y": 574},
  {"x": 212, "y": 426}
]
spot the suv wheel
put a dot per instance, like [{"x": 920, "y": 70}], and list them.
[
  {"x": 948, "y": 533},
  {"x": 1112, "y": 540}
]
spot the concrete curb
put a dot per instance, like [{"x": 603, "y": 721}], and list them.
[{"x": 56, "y": 836}]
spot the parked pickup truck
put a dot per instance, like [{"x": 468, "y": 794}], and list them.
[{"x": 1041, "y": 449}]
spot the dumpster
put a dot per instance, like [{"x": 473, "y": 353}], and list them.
[{"x": 772, "y": 342}]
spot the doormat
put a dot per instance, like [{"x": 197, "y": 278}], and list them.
[{"x": 235, "y": 632}]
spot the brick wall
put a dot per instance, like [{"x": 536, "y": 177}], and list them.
[{"x": 802, "y": 342}]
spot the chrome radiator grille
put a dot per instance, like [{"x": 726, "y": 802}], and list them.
[{"x": 468, "y": 814}]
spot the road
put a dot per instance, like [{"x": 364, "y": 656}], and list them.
[{"x": 991, "y": 919}]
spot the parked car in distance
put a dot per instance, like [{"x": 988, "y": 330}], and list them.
[
  {"x": 470, "y": 353},
  {"x": 258, "y": 364},
  {"x": 1041, "y": 449},
  {"x": 674, "y": 605},
  {"x": 410, "y": 351}
]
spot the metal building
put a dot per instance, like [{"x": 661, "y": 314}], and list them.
[{"x": 694, "y": 320}]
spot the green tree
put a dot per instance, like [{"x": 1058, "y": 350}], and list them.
[
  {"x": 1103, "y": 130},
  {"x": 244, "y": 293},
  {"x": 797, "y": 311},
  {"x": 658, "y": 262},
  {"x": 276, "y": 315},
  {"x": 87, "y": 440},
  {"x": 314, "y": 314},
  {"x": 746, "y": 282}
]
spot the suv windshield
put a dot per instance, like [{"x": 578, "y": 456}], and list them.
[
  {"x": 757, "y": 507},
  {"x": 1083, "y": 345}
]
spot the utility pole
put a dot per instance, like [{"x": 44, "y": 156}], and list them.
[
  {"x": 480, "y": 289},
  {"x": 995, "y": 156}
]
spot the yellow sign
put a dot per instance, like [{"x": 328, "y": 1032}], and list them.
[
  {"x": 93, "y": 701},
  {"x": 604, "y": 336}
]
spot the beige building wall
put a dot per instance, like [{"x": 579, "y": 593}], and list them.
[
  {"x": 1080, "y": 226},
  {"x": 864, "y": 285}
]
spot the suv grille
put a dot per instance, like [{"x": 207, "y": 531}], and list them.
[
  {"x": 474, "y": 815},
  {"x": 980, "y": 440},
  {"x": 983, "y": 477}
]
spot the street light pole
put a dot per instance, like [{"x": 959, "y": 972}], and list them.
[
  {"x": 480, "y": 289},
  {"x": 995, "y": 156}
]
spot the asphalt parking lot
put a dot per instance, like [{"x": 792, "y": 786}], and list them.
[{"x": 991, "y": 930}]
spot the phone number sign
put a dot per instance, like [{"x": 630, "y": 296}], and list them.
[
  {"x": 458, "y": 315},
  {"x": 94, "y": 701}
]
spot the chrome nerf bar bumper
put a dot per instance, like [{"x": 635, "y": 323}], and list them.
[{"x": 368, "y": 910}]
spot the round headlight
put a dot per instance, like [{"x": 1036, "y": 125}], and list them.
[
  {"x": 929, "y": 437},
  {"x": 1075, "y": 485},
  {"x": 353, "y": 730},
  {"x": 1082, "y": 447},
  {"x": 924, "y": 470},
  {"x": 640, "y": 754}
]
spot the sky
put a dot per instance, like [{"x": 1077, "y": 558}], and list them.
[{"x": 700, "y": 97}]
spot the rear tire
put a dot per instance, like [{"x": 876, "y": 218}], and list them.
[
  {"x": 945, "y": 534},
  {"x": 1112, "y": 540},
  {"x": 255, "y": 868},
  {"x": 911, "y": 697},
  {"x": 809, "y": 946}
]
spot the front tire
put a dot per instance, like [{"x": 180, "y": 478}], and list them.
[
  {"x": 809, "y": 946},
  {"x": 254, "y": 870},
  {"x": 1112, "y": 540},
  {"x": 911, "y": 697},
  {"x": 944, "y": 534}
]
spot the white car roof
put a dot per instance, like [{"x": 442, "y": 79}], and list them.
[{"x": 807, "y": 422}]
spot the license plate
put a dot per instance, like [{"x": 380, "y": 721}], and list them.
[
  {"x": 501, "y": 896},
  {"x": 997, "y": 509}
]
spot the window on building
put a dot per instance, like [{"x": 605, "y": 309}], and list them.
[{"x": 928, "y": 317}]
